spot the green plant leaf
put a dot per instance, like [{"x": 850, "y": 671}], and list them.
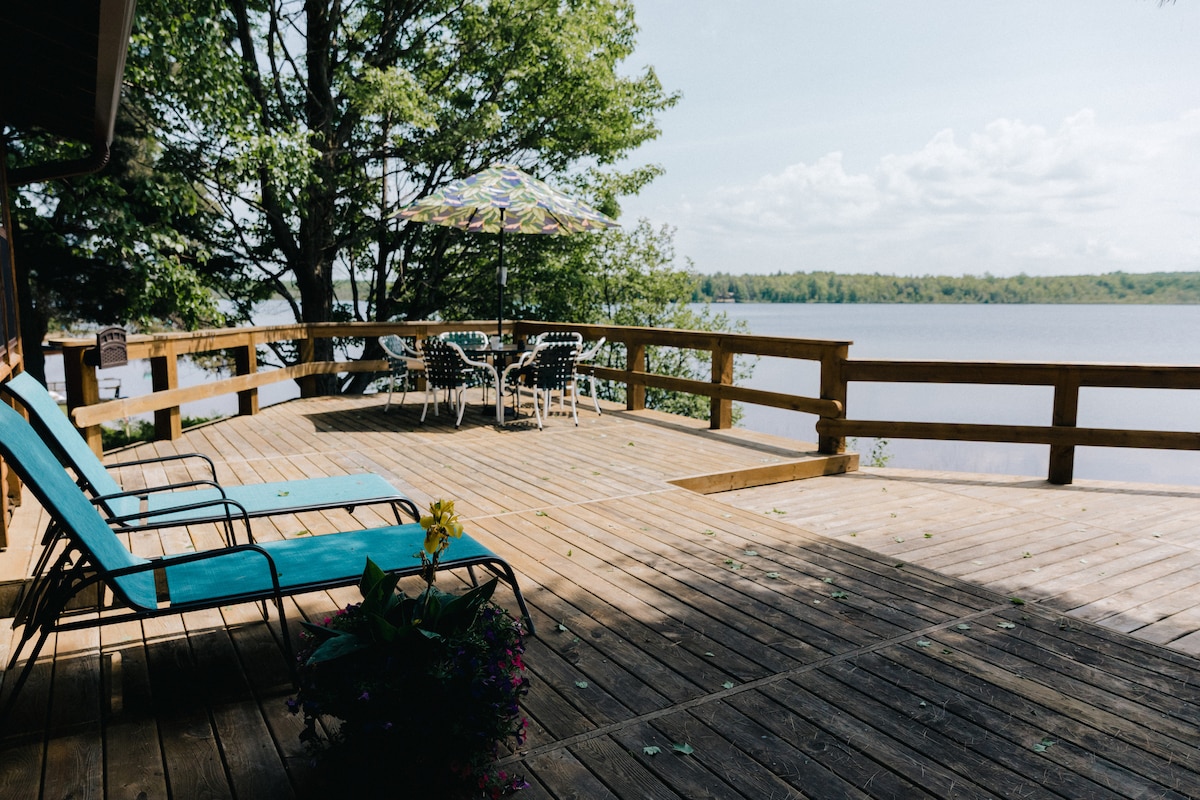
[
  {"x": 651, "y": 750},
  {"x": 1045, "y": 744},
  {"x": 343, "y": 644},
  {"x": 684, "y": 748}
]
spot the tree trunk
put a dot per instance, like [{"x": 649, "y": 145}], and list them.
[{"x": 318, "y": 248}]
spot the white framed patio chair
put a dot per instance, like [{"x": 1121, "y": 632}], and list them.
[
  {"x": 548, "y": 368},
  {"x": 403, "y": 358},
  {"x": 469, "y": 340},
  {"x": 447, "y": 367}
]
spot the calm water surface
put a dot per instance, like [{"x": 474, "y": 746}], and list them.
[{"x": 1090, "y": 334}]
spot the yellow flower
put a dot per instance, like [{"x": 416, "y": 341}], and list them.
[{"x": 440, "y": 524}]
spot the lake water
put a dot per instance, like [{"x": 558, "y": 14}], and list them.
[
  {"x": 1092, "y": 334},
  {"x": 1103, "y": 333}
]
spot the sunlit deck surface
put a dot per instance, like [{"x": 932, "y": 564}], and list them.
[{"x": 841, "y": 636}]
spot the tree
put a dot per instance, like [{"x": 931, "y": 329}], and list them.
[
  {"x": 118, "y": 247},
  {"x": 631, "y": 278},
  {"x": 308, "y": 125}
]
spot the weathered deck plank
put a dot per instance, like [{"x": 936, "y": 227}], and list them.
[{"x": 791, "y": 664}]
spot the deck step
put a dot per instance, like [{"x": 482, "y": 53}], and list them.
[{"x": 780, "y": 472}]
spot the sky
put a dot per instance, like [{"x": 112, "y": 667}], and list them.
[{"x": 925, "y": 137}]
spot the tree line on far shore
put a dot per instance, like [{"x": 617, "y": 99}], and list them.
[{"x": 830, "y": 287}]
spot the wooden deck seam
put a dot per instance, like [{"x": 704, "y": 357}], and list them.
[{"x": 725, "y": 694}]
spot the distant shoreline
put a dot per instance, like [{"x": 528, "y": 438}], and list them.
[{"x": 1155, "y": 288}]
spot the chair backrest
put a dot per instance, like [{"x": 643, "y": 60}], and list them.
[
  {"x": 555, "y": 337},
  {"x": 444, "y": 364},
  {"x": 67, "y": 505},
  {"x": 467, "y": 339},
  {"x": 552, "y": 365},
  {"x": 397, "y": 351},
  {"x": 65, "y": 441}
]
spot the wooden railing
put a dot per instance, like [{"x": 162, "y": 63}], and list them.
[
  {"x": 837, "y": 371},
  {"x": 164, "y": 350},
  {"x": 1061, "y": 434}
]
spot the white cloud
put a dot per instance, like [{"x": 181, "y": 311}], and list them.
[{"x": 1009, "y": 198}]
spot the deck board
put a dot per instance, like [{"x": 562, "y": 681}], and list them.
[{"x": 843, "y": 636}]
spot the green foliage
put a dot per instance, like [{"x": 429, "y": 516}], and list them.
[
  {"x": 630, "y": 277},
  {"x": 425, "y": 689},
  {"x": 138, "y": 430},
  {"x": 309, "y": 125},
  {"x": 122, "y": 246},
  {"x": 879, "y": 456},
  {"x": 829, "y": 287}
]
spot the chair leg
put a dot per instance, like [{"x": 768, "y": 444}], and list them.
[
  {"x": 425, "y": 408},
  {"x": 391, "y": 388},
  {"x": 536, "y": 411},
  {"x": 595, "y": 397},
  {"x": 19, "y": 684},
  {"x": 460, "y": 400}
]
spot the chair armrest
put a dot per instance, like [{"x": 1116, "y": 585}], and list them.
[
  {"x": 482, "y": 365},
  {"x": 212, "y": 468},
  {"x": 231, "y": 507},
  {"x": 166, "y": 487},
  {"x": 161, "y": 562},
  {"x": 517, "y": 365}
]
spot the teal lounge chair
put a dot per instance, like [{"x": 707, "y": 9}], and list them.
[
  {"x": 94, "y": 555},
  {"x": 198, "y": 501}
]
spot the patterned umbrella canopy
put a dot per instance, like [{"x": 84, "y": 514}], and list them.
[{"x": 503, "y": 199}]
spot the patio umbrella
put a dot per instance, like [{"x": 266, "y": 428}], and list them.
[{"x": 503, "y": 199}]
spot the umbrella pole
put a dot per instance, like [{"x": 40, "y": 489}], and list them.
[{"x": 501, "y": 279}]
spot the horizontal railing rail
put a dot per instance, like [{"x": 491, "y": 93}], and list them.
[
  {"x": 88, "y": 411},
  {"x": 1062, "y": 434},
  {"x": 837, "y": 372}
]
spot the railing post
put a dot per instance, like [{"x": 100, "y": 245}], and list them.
[
  {"x": 635, "y": 361},
  {"x": 1066, "y": 414},
  {"x": 246, "y": 363},
  {"x": 833, "y": 387},
  {"x": 308, "y": 354},
  {"x": 164, "y": 375},
  {"x": 720, "y": 415},
  {"x": 83, "y": 389}
]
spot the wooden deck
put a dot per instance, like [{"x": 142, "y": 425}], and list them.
[{"x": 778, "y": 632}]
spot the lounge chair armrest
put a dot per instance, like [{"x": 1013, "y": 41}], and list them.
[
  {"x": 232, "y": 508},
  {"x": 212, "y": 468},
  {"x": 168, "y": 487}
]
